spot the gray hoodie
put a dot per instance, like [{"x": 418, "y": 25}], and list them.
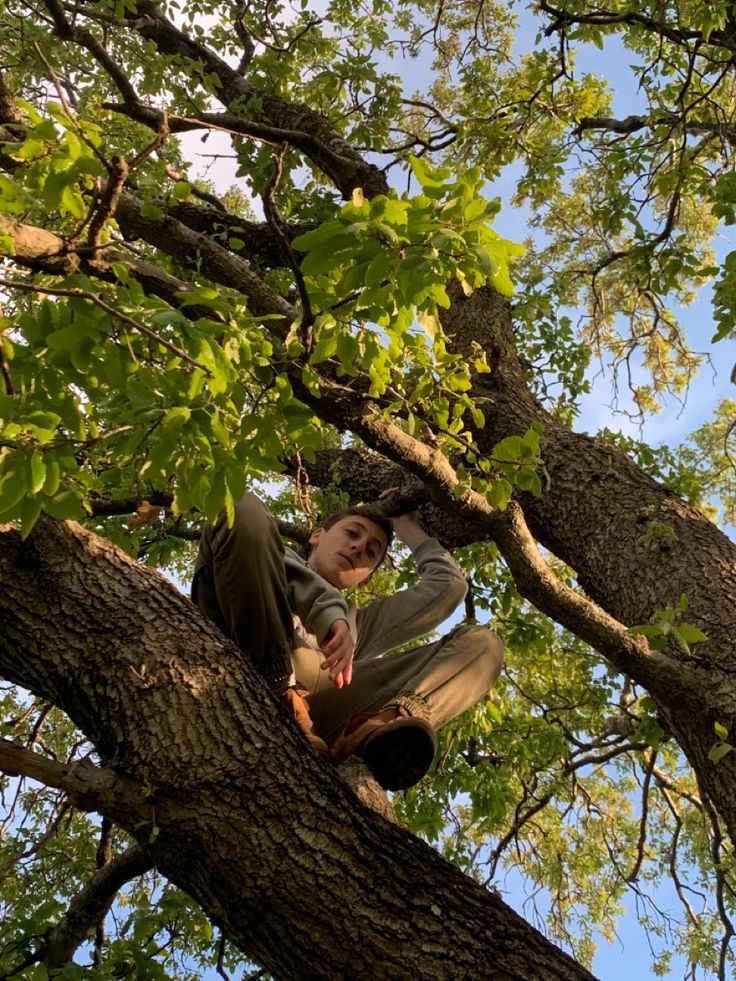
[{"x": 386, "y": 623}]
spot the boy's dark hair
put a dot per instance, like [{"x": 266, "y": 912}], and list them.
[{"x": 371, "y": 511}]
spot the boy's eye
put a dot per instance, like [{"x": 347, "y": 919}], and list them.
[{"x": 371, "y": 554}]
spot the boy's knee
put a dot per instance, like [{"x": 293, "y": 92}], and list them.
[
  {"x": 253, "y": 526},
  {"x": 486, "y": 651}
]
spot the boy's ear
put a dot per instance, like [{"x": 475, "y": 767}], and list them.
[{"x": 315, "y": 536}]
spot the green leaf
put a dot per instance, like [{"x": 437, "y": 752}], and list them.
[
  {"x": 13, "y": 486},
  {"x": 176, "y": 417},
  {"x": 647, "y": 629},
  {"x": 500, "y": 493},
  {"x": 36, "y": 472},
  {"x": 428, "y": 176},
  {"x": 718, "y": 751},
  {"x": 65, "y": 506},
  {"x": 181, "y": 190},
  {"x": 325, "y": 347},
  {"x": 30, "y": 510},
  {"x": 691, "y": 634}
]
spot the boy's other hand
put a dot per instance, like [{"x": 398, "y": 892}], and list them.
[
  {"x": 406, "y": 526},
  {"x": 338, "y": 649}
]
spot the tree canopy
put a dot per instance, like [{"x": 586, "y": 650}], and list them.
[{"x": 340, "y": 317}]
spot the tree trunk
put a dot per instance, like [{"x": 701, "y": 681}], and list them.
[
  {"x": 237, "y": 809},
  {"x": 634, "y": 545}
]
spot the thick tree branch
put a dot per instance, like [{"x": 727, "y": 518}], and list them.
[
  {"x": 89, "y": 787},
  {"x": 231, "y": 785},
  {"x": 276, "y": 224},
  {"x": 84, "y": 38},
  {"x": 306, "y": 129},
  {"x": 42, "y": 251},
  {"x": 104, "y": 508},
  {"x": 633, "y": 124},
  {"x": 262, "y": 246},
  {"x": 198, "y": 252},
  {"x": 605, "y": 18},
  {"x": 534, "y": 578}
]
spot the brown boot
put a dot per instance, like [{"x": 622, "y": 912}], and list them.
[
  {"x": 397, "y": 747},
  {"x": 296, "y": 705}
]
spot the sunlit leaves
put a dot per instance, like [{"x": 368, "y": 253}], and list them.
[{"x": 390, "y": 257}]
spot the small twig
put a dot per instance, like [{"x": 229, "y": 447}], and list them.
[
  {"x": 108, "y": 202},
  {"x": 93, "y": 298},
  {"x": 37, "y": 725},
  {"x": 102, "y": 858},
  {"x": 119, "y": 172},
  {"x": 93, "y": 903},
  {"x": 726, "y": 452},
  {"x": 301, "y": 490},
  {"x": 673, "y": 858},
  {"x": 274, "y": 220},
  {"x": 64, "y": 809},
  {"x": 197, "y": 192},
  {"x": 164, "y": 131},
  {"x": 470, "y": 611},
  {"x": 87, "y": 40}
]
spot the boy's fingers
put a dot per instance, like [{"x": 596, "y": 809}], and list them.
[{"x": 385, "y": 493}]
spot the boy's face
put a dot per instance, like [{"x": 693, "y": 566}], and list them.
[{"x": 347, "y": 553}]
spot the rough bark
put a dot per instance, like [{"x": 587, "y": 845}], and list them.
[{"x": 257, "y": 829}]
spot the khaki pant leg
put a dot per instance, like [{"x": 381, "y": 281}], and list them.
[
  {"x": 436, "y": 682},
  {"x": 240, "y": 584}
]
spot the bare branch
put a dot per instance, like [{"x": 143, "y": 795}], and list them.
[
  {"x": 40, "y": 250},
  {"x": 634, "y": 873},
  {"x": 298, "y": 125},
  {"x": 92, "y": 903},
  {"x": 604, "y": 18},
  {"x": 274, "y": 221},
  {"x": 220, "y": 957}
]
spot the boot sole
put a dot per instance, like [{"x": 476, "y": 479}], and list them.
[{"x": 400, "y": 753}]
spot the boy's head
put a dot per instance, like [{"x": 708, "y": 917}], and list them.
[{"x": 350, "y": 545}]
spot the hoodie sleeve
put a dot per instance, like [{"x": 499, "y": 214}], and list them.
[
  {"x": 313, "y": 599},
  {"x": 391, "y": 621}
]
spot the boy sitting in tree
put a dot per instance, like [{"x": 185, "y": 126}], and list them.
[{"x": 322, "y": 656}]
